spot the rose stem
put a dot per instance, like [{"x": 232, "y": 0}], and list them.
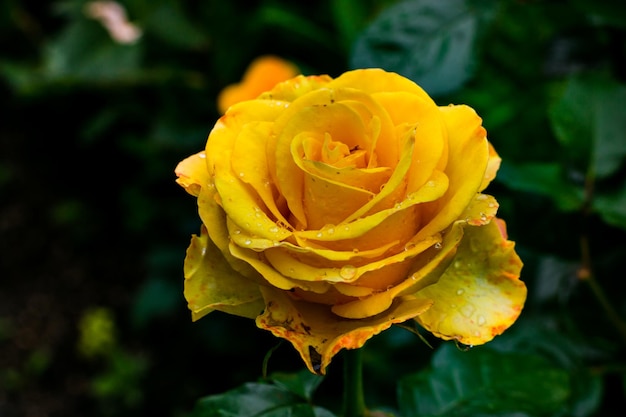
[
  {"x": 353, "y": 398},
  {"x": 585, "y": 272}
]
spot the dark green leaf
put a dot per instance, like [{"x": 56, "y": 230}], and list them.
[
  {"x": 543, "y": 178},
  {"x": 589, "y": 122},
  {"x": 429, "y": 41},
  {"x": 257, "y": 400},
  {"x": 303, "y": 383},
  {"x": 484, "y": 382},
  {"x": 611, "y": 207},
  {"x": 85, "y": 52}
]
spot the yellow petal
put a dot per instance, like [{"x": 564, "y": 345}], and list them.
[
  {"x": 375, "y": 80},
  {"x": 211, "y": 283},
  {"x": 492, "y": 167},
  {"x": 376, "y": 223},
  {"x": 273, "y": 276},
  {"x": 317, "y": 334},
  {"x": 249, "y": 161},
  {"x": 427, "y": 269},
  {"x": 192, "y": 173},
  {"x": 468, "y": 153},
  {"x": 480, "y": 294},
  {"x": 411, "y": 111}
]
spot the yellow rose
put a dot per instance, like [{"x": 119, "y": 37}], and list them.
[{"x": 334, "y": 208}]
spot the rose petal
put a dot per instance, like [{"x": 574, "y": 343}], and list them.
[
  {"x": 480, "y": 294},
  {"x": 294, "y": 320},
  {"x": 374, "y": 229},
  {"x": 375, "y": 80},
  {"x": 408, "y": 111},
  {"x": 249, "y": 161},
  {"x": 212, "y": 284},
  {"x": 492, "y": 167},
  {"x": 272, "y": 276},
  {"x": 192, "y": 173},
  {"x": 467, "y": 161},
  {"x": 429, "y": 267}
]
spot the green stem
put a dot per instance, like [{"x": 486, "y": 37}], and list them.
[{"x": 353, "y": 398}]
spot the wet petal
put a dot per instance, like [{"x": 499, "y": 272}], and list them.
[
  {"x": 318, "y": 335},
  {"x": 192, "y": 173},
  {"x": 249, "y": 161},
  {"x": 468, "y": 153},
  {"x": 493, "y": 165},
  {"x": 271, "y": 275},
  {"x": 212, "y": 284},
  {"x": 480, "y": 294}
]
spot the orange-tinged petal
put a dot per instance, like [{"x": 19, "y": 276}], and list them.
[
  {"x": 192, "y": 173},
  {"x": 468, "y": 153},
  {"x": 212, "y": 284},
  {"x": 480, "y": 294},
  {"x": 261, "y": 76},
  {"x": 318, "y": 335}
]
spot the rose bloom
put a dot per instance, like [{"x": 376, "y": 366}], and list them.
[{"x": 334, "y": 208}]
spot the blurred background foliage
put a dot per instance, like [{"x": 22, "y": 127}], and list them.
[{"x": 93, "y": 229}]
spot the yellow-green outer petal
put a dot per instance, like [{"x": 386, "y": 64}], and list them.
[
  {"x": 480, "y": 294},
  {"x": 212, "y": 284}
]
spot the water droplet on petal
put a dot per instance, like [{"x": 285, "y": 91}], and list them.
[
  {"x": 438, "y": 245},
  {"x": 347, "y": 272},
  {"x": 467, "y": 310},
  {"x": 273, "y": 229},
  {"x": 247, "y": 242},
  {"x": 460, "y": 291},
  {"x": 430, "y": 183},
  {"x": 409, "y": 246},
  {"x": 481, "y": 197},
  {"x": 481, "y": 320}
]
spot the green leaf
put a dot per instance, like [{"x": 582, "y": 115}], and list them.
[
  {"x": 257, "y": 400},
  {"x": 428, "y": 41},
  {"x": 484, "y": 382},
  {"x": 611, "y": 206},
  {"x": 85, "y": 52},
  {"x": 545, "y": 178},
  {"x": 588, "y": 120},
  {"x": 303, "y": 383}
]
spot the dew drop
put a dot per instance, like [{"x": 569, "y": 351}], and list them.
[
  {"x": 467, "y": 310},
  {"x": 247, "y": 242},
  {"x": 430, "y": 183},
  {"x": 481, "y": 320},
  {"x": 438, "y": 245},
  {"x": 409, "y": 246},
  {"x": 457, "y": 264},
  {"x": 347, "y": 272},
  {"x": 242, "y": 174},
  {"x": 460, "y": 291},
  {"x": 273, "y": 229},
  {"x": 491, "y": 205},
  {"x": 481, "y": 197},
  {"x": 236, "y": 231}
]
